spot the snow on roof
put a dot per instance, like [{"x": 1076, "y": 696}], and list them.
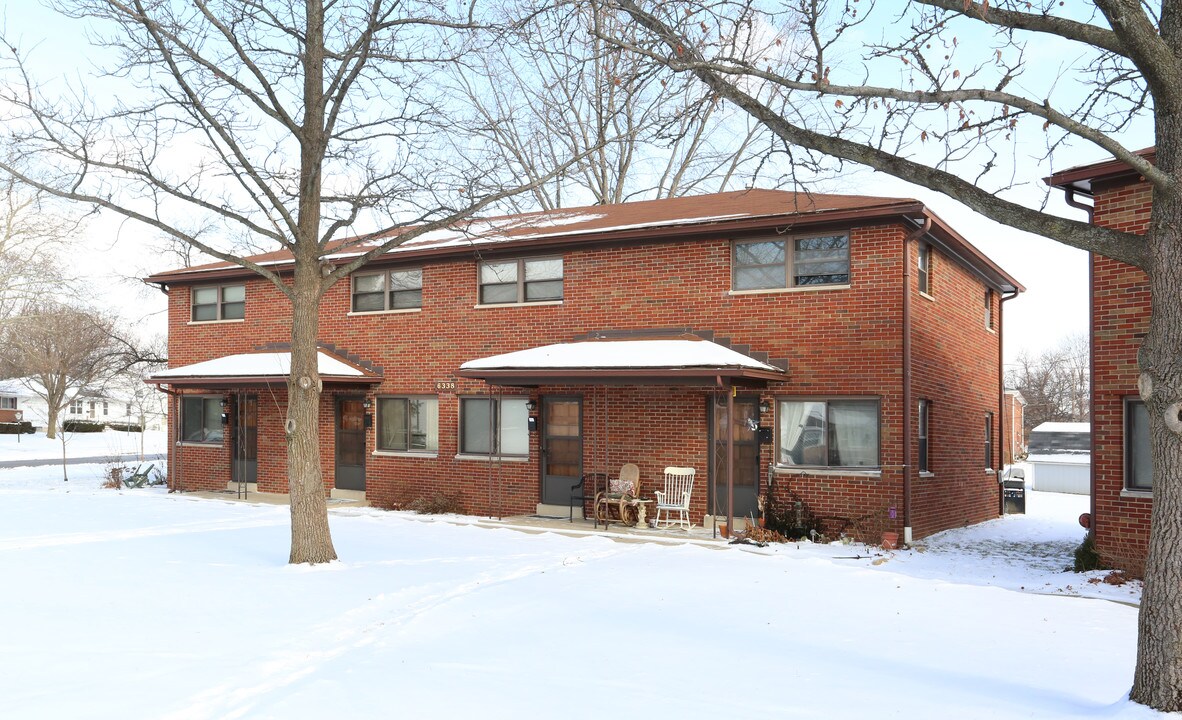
[
  {"x": 621, "y": 355},
  {"x": 1064, "y": 427},
  {"x": 1083, "y": 458},
  {"x": 263, "y": 364}
]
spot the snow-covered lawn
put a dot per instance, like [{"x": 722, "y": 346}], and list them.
[
  {"x": 80, "y": 445},
  {"x": 142, "y": 604}
]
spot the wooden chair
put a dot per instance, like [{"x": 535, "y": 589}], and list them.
[
  {"x": 619, "y": 494},
  {"x": 679, "y": 487}
]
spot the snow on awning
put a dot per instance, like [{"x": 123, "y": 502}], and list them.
[
  {"x": 259, "y": 368},
  {"x": 681, "y": 361}
]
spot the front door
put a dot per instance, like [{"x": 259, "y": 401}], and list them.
[
  {"x": 246, "y": 439},
  {"x": 562, "y": 448},
  {"x": 350, "y": 455},
  {"x": 746, "y": 467}
]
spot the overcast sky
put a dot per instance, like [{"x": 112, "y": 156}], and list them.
[{"x": 1054, "y": 307}]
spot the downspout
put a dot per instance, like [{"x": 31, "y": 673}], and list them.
[
  {"x": 1001, "y": 399},
  {"x": 910, "y": 238},
  {"x": 1069, "y": 198}
]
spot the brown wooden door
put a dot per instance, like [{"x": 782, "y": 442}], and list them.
[
  {"x": 350, "y": 443},
  {"x": 562, "y": 448}
]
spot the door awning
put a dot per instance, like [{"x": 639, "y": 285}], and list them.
[
  {"x": 685, "y": 360},
  {"x": 258, "y": 369}
]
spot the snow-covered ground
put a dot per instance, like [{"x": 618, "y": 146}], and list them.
[
  {"x": 137, "y": 603},
  {"x": 109, "y": 443}
]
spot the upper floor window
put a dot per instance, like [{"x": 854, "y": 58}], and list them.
[
  {"x": 520, "y": 281},
  {"x": 1138, "y": 461},
  {"x": 828, "y": 433},
  {"x": 988, "y": 309},
  {"x": 773, "y": 264},
  {"x": 408, "y": 424},
  {"x": 75, "y": 407},
  {"x": 225, "y": 302},
  {"x": 393, "y": 290},
  {"x": 925, "y": 268}
]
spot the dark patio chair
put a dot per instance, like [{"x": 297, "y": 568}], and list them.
[{"x": 580, "y": 493}]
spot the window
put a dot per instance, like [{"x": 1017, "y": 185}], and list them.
[
  {"x": 394, "y": 290},
  {"x": 925, "y": 410},
  {"x": 988, "y": 309},
  {"x": 226, "y": 302},
  {"x": 7, "y": 403},
  {"x": 925, "y": 268},
  {"x": 493, "y": 426},
  {"x": 408, "y": 424},
  {"x": 1138, "y": 461},
  {"x": 828, "y": 433},
  {"x": 768, "y": 264},
  {"x": 520, "y": 281},
  {"x": 75, "y": 407},
  {"x": 105, "y": 408},
  {"x": 201, "y": 419},
  {"x": 989, "y": 440}
]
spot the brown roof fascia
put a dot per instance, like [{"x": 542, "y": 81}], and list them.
[
  {"x": 652, "y": 233},
  {"x": 1082, "y": 177},
  {"x": 971, "y": 256}
]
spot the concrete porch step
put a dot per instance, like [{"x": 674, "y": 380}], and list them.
[{"x": 559, "y": 511}]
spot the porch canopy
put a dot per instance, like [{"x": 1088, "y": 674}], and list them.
[
  {"x": 684, "y": 360},
  {"x": 260, "y": 369}
]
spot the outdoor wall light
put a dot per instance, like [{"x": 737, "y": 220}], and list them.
[
  {"x": 366, "y": 404},
  {"x": 226, "y": 403},
  {"x": 531, "y": 405},
  {"x": 764, "y": 406}
]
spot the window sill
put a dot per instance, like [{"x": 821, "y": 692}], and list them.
[
  {"x": 925, "y": 474},
  {"x": 925, "y": 295},
  {"x": 215, "y": 322},
  {"x": 990, "y": 471},
  {"x": 401, "y": 311},
  {"x": 1137, "y": 494},
  {"x": 394, "y": 453},
  {"x": 517, "y": 305},
  {"x": 494, "y": 458},
  {"x": 795, "y": 289},
  {"x": 799, "y": 470}
]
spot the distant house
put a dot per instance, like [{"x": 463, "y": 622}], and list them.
[
  {"x": 107, "y": 407},
  {"x": 1013, "y": 429},
  {"x": 856, "y": 340},
  {"x": 1122, "y": 475},
  {"x": 1061, "y": 457},
  {"x": 13, "y": 398}
]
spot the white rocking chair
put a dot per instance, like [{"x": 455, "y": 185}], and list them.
[{"x": 679, "y": 486}]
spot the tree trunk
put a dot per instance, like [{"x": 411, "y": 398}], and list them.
[
  {"x": 51, "y": 422},
  {"x": 1158, "y": 678},
  {"x": 311, "y": 541},
  {"x": 65, "y": 474}
]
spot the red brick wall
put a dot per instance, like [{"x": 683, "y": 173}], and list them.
[
  {"x": 955, "y": 368},
  {"x": 1120, "y": 318},
  {"x": 839, "y": 342}
]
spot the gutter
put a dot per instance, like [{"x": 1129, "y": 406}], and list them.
[{"x": 907, "y": 411}]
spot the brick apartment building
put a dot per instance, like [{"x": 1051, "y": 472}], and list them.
[
  {"x": 858, "y": 338},
  {"x": 1122, "y": 490}
]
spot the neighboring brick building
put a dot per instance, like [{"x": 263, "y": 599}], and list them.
[
  {"x": 802, "y": 296},
  {"x": 1014, "y": 427},
  {"x": 1121, "y": 471}
]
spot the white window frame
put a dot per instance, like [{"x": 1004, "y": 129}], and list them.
[{"x": 790, "y": 251}]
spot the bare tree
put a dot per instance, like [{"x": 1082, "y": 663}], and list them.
[
  {"x": 281, "y": 123},
  {"x": 60, "y": 353},
  {"x": 643, "y": 135},
  {"x": 1055, "y": 383},
  {"x": 32, "y": 233},
  {"x": 928, "y": 106}
]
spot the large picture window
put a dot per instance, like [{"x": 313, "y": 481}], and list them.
[
  {"x": 408, "y": 424},
  {"x": 393, "y": 290},
  {"x": 1138, "y": 461},
  {"x": 773, "y": 264},
  {"x": 523, "y": 280},
  {"x": 224, "y": 302},
  {"x": 496, "y": 426},
  {"x": 201, "y": 419},
  {"x": 828, "y": 433}
]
